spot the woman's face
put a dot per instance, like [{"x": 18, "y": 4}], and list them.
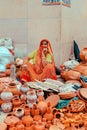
[{"x": 45, "y": 50}]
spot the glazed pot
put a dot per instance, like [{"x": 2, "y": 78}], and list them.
[
  {"x": 19, "y": 112},
  {"x": 31, "y": 96},
  {"x": 24, "y": 88},
  {"x": 6, "y": 106},
  {"x": 83, "y": 54},
  {"x": 6, "y": 95},
  {"x": 40, "y": 92}
]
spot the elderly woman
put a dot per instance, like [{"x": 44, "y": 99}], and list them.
[{"x": 40, "y": 64}]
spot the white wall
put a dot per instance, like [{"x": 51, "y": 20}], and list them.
[{"x": 28, "y": 21}]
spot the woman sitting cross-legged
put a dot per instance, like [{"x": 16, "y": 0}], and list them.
[{"x": 39, "y": 64}]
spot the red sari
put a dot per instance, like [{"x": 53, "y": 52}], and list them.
[{"x": 37, "y": 71}]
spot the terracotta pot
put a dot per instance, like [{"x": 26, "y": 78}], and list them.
[
  {"x": 7, "y": 72},
  {"x": 81, "y": 68},
  {"x": 83, "y": 54},
  {"x": 8, "y": 66},
  {"x": 2, "y": 87},
  {"x": 37, "y": 116},
  {"x": 48, "y": 115},
  {"x": 42, "y": 106},
  {"x": 27, "y": 119},
  {"x": 6, "y": 106},
  {"x": 13, "y": 88},
  {"x": 26, "y": 109},
  {"x": 20, "y": 126},
  {"x": 39, "y": 126},
  {"x": 1, "y": 101},
  {"x": 71, "y": 75},
  {"x": 16, "y": 102}
]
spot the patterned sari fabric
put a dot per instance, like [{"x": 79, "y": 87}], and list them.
[{"x": 44, "y": 66}]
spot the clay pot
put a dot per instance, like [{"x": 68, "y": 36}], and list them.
[
  {"x": 31, "y": 98},
  {"x": 6, "y": 106},
  {"x": 1, "y": 101},
  {"x": 11, "y": 120},
  {"x": 27, "y": 119},
  {"x": 12, "y": 127},
  {"x": 40, "y": 92},
  {"x": 81, "y": 68},
  {"x": 37, "y": 117},
  {"x": 6, "y": 95},
  {"x": 83, "y": 54},
  {"x": 23, "y": 97},
  {"x": 19, "y": 112},
  {"x": 16, "y": 102},
  {"x": 24, "y": 88},
  {"x": 42, "y": 106},
  {"x": 2, "y": 87},
  {"x": 71, "y": 75},
  {"x": 8, "y": 66},
  {"x": 13, "y": 88},
  {"x": 26, "y": 109},
  {"x": 7, "y": 72},
  {"x": 39, "y": 126},
  {"x": 3, "y": 126},
  {"x": 20, "y": 126},
  {"x": 48, "y": 115}
]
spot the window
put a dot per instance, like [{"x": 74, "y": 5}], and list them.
[{"x": 58, "y": 2}]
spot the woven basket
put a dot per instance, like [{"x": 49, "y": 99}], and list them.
[{"x": 84, "y": 84}]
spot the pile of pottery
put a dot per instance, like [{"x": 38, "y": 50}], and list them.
[
  {"x": 12, "y": 97},
  {"x": 43, "y": 117}
]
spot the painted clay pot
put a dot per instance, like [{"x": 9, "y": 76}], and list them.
[
  {"x": 23, "y": 97},
  {"x": 13, "y": 88},
  {"x": 6, "y": 95},
  {"x": 24, "y": 88},
  {"x": 6, "y": 106},
  {"x": 19, "y": 112},
  {"x": 11, "y": 119},
  {"x": 31, "y": 97},
  {"x": 83, "y": 54},
  {"x": 40, "y": 92}
]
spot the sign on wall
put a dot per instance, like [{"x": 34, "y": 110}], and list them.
[{"x": 54, "y": 2}]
